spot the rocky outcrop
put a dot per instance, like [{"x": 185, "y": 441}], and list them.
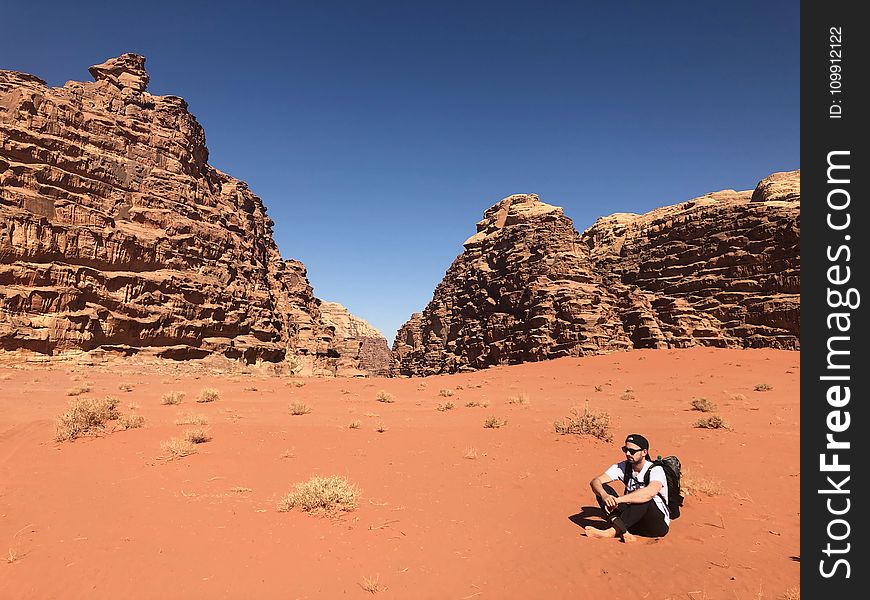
[
  {"x": 116, "y": 233},
  {"x": 361, "y": 346},
  {"x": 720, "y": 270}
]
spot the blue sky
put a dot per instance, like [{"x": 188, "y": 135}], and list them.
[{"x": 378, "y": 132}]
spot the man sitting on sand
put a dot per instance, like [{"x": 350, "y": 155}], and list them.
[{"x": 643, "y": 510}]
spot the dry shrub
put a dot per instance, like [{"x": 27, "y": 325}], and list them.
[
  {"x": 296, "y": 383},
  {"x": 176, "y": 447},
  {"x": 372, "y": 584},
  {"x": 188, "y": 419},
  {"x": 321, "y": 495},
  {"x": 384, "y": 396},
  {"x": 353, "y": 425},
  {"x": 472, "y": 404},
  {"x": 703, "y": 405},
  {"x": 172, "y": 398},
  {"x": 470, "y": 454},
  {"x": 445, "y": 406},
  {"x": 628, "y": 395},
  {"x": 208, "y": 395},
  {"x": 691, "y": 485},
  {"x": 131, "y": 421},
  {"x": 596, "y": 424},
  {"x": 78, "y": 391},
  {"x": 197, "y": 435},
  {"x": 381, "y": 427},
  {"x": 445, "y": 393},
  {"x": 126, "y": 387},
  {"x": 521, "y": 399},
  {"x": 299, "y": 408},
  {"x": 714, "y": 422},
  {"x": 763, "y": 387},
  {"x": 493, "y": 422},
  {"x": 86, "y": 416},
  {"x": 598, "y": 388},
  {"x": 793, "y": 593}
]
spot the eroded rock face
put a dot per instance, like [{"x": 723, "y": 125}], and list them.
[
  {"x": 361, "y": 346},
  {"x": 720, "y": 270},
  {"x": 115, "y": 232}
]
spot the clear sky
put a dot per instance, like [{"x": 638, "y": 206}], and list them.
[{"x": 378, "y": 132}]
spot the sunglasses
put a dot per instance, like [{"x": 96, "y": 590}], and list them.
[{"x": 628, "y": 450}]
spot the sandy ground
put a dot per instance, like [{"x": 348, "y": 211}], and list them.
[{"x": 448, "y": 508}]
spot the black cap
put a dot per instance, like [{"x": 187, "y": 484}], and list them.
[{"x": 636, "y": 438}]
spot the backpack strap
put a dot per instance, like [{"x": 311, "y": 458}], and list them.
[{"x": 657, "y": 463}]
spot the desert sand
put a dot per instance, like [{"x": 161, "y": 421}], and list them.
[{"x": 448, "y": 508}]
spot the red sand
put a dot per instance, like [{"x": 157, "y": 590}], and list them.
[{"x": 111, "y": 517}]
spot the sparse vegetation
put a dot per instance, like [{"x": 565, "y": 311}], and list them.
[
  {"x": 372, "y": 584},
  {"x": 353, "y": 425},
  {"x": 628, "y": 394},
  {"x": 299, "y": 408},
  {"x": 177, "y": 447},
  {"x": 691, "y": 485},
  {"x": 86, "y": 416},
  {"x": 445, "y": 406},
  {"x": 470, "y": 454},
  {"x": 598, "y": 388},
  {"x": 126, "y": 387},
  {"x": 703, "y": 405},
  {"x": 208, "y": 395},
  {"x": 521, "y": 399},
  {"x": 588, "y": 422},
  {"x": 384, "y": 396},
  {"x": 197, "y": 435},
  {"x": 78, "y": 391},
  {"x": 713, "y": 422},
  {"x": 296, "y": 383},
  {"x": 763, "y": 387},
  {"x": 381, "y": 427},
  {"x": 445, "y": 393},
  {"x": 131, "y": 421},
  {"x": 493, "y": 422},
  {"x": 188, "y": 419},
  {"x": 172, "y": 398},
  {"x": 321, "y": 494},
  {"x": 472, "y": 404}
]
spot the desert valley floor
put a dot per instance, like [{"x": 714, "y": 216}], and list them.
[{"x": 448, "y": 508}]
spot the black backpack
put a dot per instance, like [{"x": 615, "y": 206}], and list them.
[{"x": 671, "y": 467}]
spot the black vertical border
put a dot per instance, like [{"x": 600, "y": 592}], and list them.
[{"x": 820, "y": 135}]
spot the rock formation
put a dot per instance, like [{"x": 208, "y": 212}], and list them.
[
  {"x": 116, "y": 233},
  {"x": 720, "y": 270}
]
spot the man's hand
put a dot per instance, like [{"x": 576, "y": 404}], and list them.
[{"x": 610, "y": 503}]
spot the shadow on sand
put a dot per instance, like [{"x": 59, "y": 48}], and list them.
[{"x": 589, "y": 516}]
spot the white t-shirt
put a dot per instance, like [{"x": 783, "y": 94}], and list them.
[{"x": 617, "y": 472}]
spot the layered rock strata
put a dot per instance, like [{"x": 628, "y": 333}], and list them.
[
  {"x": 116, "y": 233},
  {"x": 720, "y": 270}
]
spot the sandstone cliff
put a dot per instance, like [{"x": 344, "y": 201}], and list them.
[
  {"x": 116, "y": 233},
  {"x": 720, "y": 270}
]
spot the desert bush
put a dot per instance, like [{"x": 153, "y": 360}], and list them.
[
  {"x": 598, "y": 388},
  {"x": 131, "y": 421},
  {"x": 188, "y": 419},
  {"x": 445, "y": 406},
  {"x": 208, "y": 395},
  {"x": 78, "y": 391},
  {"x": 470, "y": 454},
  {"x": 521, "y": 399},
  {"x": 126, "y": 387},
  {"x": 703, "y": 405},
  {"x": 763, "y": 387},
  {"x": 176, "y": 447},
  {"x": 472, "y": 404},
  {"x": 596, "y": 424},
  {"x": 689, "y": 484},
  {"x": 197, "y": 435},
  {"x": 85, "y": 416},
  {"x": 172, "y": 398},
  {"x": 381, "y": 427},
  {"x": 713, "y": 422},
  {"x": 628, "y": 395},
  {"x": 353, "y": 425},
  {"x": 321, "y": 494},
  {"x": 445, "y": 393},
  {"x": 299, "y": 408},
  {"x": 493, "y": 422},
  {"x": 372, "y": 584},
  {"x": 384, "y": 396}
]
